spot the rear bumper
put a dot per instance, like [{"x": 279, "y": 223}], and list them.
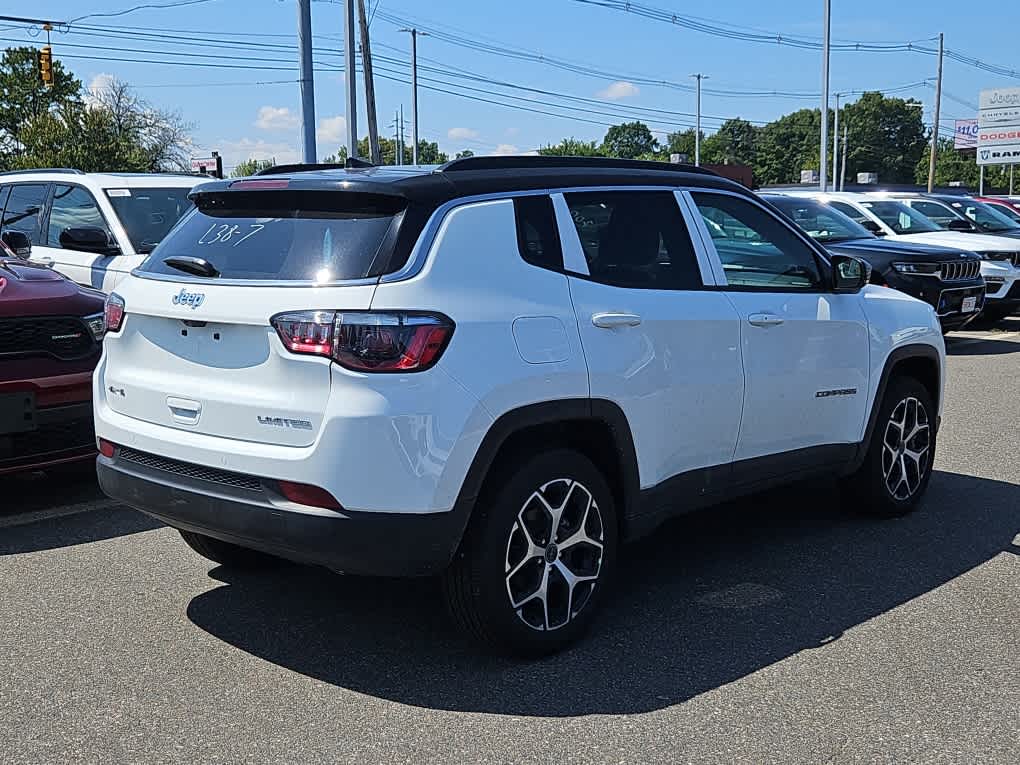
[{"x": 377, "y": 544}]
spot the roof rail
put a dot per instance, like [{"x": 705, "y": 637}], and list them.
[
  {"x": 68, "y": 170},
  {"x": 300, "y": 168},
  {"x": 551, "y": 162}
]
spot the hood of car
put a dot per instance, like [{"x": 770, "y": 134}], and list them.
[
  {"x": 891, "y": 249},
  {"x": 971, "y": 242},
  {"x": 27, "y": 290}
]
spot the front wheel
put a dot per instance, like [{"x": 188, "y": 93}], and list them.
[
  {"x": 898, "y": 465},
  {"x": 537, "y": 557}
]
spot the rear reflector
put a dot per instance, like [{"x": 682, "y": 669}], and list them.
[
  {"x": 368, "y": 341},
  {"x": 106, "y": 448},
  {"x": 313, "y": 496}
]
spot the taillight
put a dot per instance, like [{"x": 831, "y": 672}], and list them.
[
  {"x": 106, "y": 448},
  {"x": 113, "y": 312},
  {"x": 367, "y": 341},
  {"x": 305, "y": 494}
]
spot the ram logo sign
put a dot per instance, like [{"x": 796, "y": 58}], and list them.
[{"x": 998, "y": 128}]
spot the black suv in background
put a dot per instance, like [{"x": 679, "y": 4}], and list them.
[{"x": 949, "y": 280}]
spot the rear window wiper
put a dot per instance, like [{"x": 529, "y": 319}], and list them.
[{"x": 196, "y": 266}]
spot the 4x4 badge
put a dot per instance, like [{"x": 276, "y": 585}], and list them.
[{"x": 193, "y": 299}]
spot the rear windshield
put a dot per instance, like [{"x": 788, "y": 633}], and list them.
[
  {"x": 282, "y": 236},
  {"x": 148, "y": 214}
]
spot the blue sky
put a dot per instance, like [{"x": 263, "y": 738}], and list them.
[{"x": 252, "y": 111}]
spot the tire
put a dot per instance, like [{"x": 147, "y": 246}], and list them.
[
  {"x": 896, "y": 472},
  {"x": 226, "y": 554},
  {"x": 508, "y": 613}
]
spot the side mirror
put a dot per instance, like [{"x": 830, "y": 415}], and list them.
[
  {"x": 88, "y": 239},
  {"x": 849, "y": 274},
  {"x": 959, "y": 224},
  {"x": 17, "y": 242},
  {"x": 873, "y": 227}
]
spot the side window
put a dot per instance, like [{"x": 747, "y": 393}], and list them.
[
  {"x": 635, "y": 239},
  {"x": 934, "y": 212},
  {"x": 73, "y": 207},
  {"x": 756, "y": 248},
  {"x": 850, "y": 211},
  {"x": 24, "y": 208},
  {"x": 537, "y": 236}
]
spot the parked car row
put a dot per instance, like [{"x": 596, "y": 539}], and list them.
[{"x": 500, "y": 369}]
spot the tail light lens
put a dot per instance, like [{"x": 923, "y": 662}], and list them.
[
  {"x": 106, "y": 448},
  {"x": 113, "y": 312},
  {"x": 368, "y": 341},
  {"x": 305, "y": 494}
]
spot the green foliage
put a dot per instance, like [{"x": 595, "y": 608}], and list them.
[
  {"x": 251, "y": 167},
  {"x": 735, "y": 142},
  {"x": 887, "y": 136},
  {"x": 629, "y": 140},
  {"x": 572, "y": 147},
  {"x": 23, "y": 96},
  {"x": 786, "y": 146},
  {"x": 428, "y": 152},
  {"x": 464, "y": 154}
]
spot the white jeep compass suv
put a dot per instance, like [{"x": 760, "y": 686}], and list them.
[{"x": 499, "y": 370}]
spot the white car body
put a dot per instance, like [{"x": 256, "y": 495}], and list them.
[
  {"x": 208, "y": 413},
  {"x": 90, "y": 269},
  {"x": 999, "y": 275}
]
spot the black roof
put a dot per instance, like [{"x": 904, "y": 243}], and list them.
[{"x": 484, "y": 175}]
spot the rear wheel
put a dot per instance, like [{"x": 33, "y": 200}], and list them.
[
  {"x": 898, "y": 465},
  {"x": 226, "y": 554},
  {"x": 537, "y": 557}
]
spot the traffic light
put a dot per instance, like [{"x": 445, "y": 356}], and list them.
[{"x": 46, "y": 65}]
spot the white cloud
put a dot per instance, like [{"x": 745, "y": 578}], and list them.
[
  {"x": 506, "y": 148},
  {"x": 99, "y": 84},
  {"x": 332, "y": 130},
  {"x": 618, "y": 90},
  {"x": 461, "y": 134},
  {"x": 235, "y": 152},
  {"x": 276, "y": 118}
]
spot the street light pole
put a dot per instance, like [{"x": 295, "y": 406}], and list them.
[
  {"x": 350, "y": 80},
  {"x": 823, "y": 170},
  {"x": 835, "y": 145},
  {"x": 307, "y": 84},
  {"x": 414, "y": 89},
  {"x": 697, "y": 129},
  {"x": 935, "y": 124}
]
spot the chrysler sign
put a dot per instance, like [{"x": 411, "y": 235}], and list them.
[{"x": 998, "y": 134}]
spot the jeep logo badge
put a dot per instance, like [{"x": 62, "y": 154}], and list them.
[{"x": 193, "y": 299}]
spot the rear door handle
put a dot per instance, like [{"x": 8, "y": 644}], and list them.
[
  {"x": 764, "y": 320},
  {"x": 612, "y": 320}
]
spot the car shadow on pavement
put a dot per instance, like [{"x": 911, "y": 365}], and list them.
[
  {"x": 709, "y": 598},
  {"x": 988, "y": 346},
  {"x": 70, "y": 530}
]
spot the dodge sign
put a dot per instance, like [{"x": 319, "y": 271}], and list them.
[{"x": 998, "y": 134}]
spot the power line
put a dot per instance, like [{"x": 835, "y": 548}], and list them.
[{"x": 145, "y": 6}]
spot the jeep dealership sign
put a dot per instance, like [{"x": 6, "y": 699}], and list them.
[{"x": 998, "y": 135}]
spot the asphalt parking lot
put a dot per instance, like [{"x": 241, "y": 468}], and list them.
[{"x": 783, "y": 629}]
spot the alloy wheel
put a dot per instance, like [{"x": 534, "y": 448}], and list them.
[
  {"x": 554, "y": 554},
  {"x": 906, "y": 448}
]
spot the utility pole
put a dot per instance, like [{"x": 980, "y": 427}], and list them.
[
  {"x": 366, "y": 65},
  {"x": 350, "y": 80},
  {"x": 401, "y": 134},
  {"x": 414, "y": 90},
  {"x": 935, "y": 125},
  {"x": 842, "y": 172},
  {"x": 307, "y": 84},
  {"x": 697, "y": 124},
  {"x": 823, "y": 170},
  {"x": 835, "y": 145}
]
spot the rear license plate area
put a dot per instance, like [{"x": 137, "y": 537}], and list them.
[{"x": 17, "y": 412}]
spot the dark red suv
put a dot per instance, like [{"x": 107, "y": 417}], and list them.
[{"x": 50, "y": 336}]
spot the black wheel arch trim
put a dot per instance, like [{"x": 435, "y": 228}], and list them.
[{"x": 898, "y": 355}]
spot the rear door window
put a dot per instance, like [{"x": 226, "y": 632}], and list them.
[
  {"x": 302, "y": 236},
  {"x": 24, "y": 209},
  {"x": 537, "y": 236},
  {"x": 147, "y": 214}
]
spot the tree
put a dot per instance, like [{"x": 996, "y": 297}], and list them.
[
  {"x": 23, "y": 96},
  {"x": 733, "y": 143},
  {"x": 113, "y": 131},
  {"x": 428, "y": 152},
  {"x": 629, "y": 140},
  {"x": 251, "y": 166},
  {"x": 886, "y": 136},
  {"x": 786, "y": 146},
  {"x": 572, "y": 147},
  {"x": 464, "y": 154}
]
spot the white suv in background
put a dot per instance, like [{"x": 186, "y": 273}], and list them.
[
  {"x": 499, "y": 370},
  {"x": 94, "y": 228},
  {"x": 890, "y": 217}
]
